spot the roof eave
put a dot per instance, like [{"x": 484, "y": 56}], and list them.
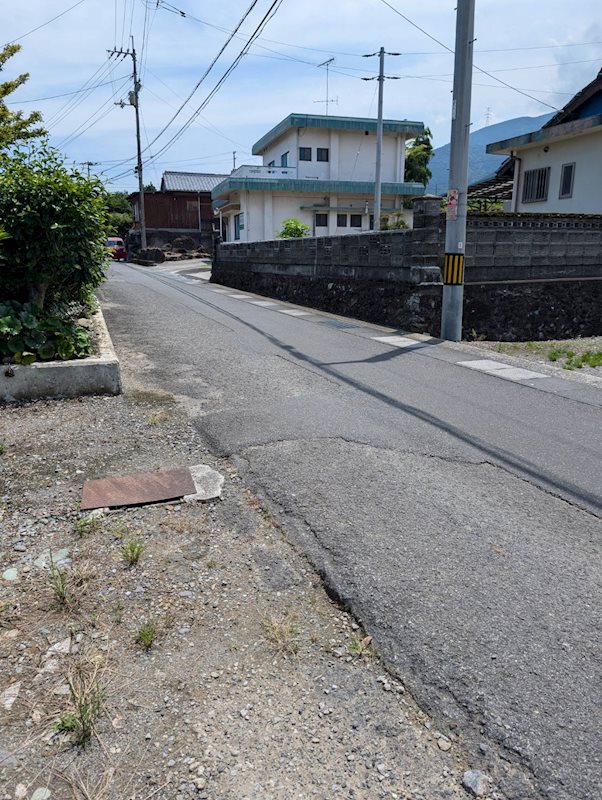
[
  {"x": 412, "y": 128},
  {"x": 566, "y": 129}
]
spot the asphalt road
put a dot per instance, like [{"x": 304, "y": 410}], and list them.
[{"x": 457, "y": 513}]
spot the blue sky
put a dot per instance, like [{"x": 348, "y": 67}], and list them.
[{"x": 547, "y": 49}]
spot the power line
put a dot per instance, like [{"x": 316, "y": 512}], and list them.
[
  {"x": 65, "y": 94},
  {"x": 479, "y": 69},
  {"x": 273, "y": 9},
  {"x": 99, "y": 111},
  {"x": 43, "y": 25},
  {"x": 68, "y": 107}
]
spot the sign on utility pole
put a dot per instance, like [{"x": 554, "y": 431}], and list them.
[
  {"x": 379, "y": 131},
  {"x": 455, "y": 227},
  {"x": 134, "y": 101}
]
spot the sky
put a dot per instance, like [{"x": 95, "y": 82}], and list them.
[{"x": 546, "y": 50}]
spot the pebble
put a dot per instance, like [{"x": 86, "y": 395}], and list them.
[
  {"x": 444, "y": 744},
  {"x": 42, "y": 793},
  {"x": 476, "y": 782},
  {"x": 10, "y": 574}
]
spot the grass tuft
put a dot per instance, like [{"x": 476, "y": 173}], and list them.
[
  {"x": 360, "y": 647},
  {"x": 84, "y": 526},
  {"x": 282, "y": 633},
  {"x": 132, "y": 551},
  {"x": 59, "y": 584},
  {"x": 146, "y": 635}
]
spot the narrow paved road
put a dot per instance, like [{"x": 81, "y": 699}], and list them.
[{"x": 455, "y": 511}]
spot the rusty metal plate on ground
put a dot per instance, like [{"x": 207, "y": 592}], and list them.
[{"x": 135, "y": 490}]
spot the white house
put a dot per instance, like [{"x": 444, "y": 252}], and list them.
[
  {"x": 320, "y": 170},
  {"x": 559, "y": 167}
]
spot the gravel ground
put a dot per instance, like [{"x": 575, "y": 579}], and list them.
[
  {"x": 253, "y": 683},
  {"x": 537, "y": 352}
]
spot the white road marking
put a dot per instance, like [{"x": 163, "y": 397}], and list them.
[
  {"x": 502, "y": 370},
  {"x": 240, "y": 296},
  {"x": 263, "y": 303},
  {"x": 293, "y": 312},
  {"x": 220, "y": 291},
  {"x": 397, "y": 341}
]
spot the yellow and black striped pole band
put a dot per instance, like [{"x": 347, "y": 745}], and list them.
[{"x": 453, "y": 269}]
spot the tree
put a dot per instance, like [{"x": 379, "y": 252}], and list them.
[
  {"x": 14, "y": 127},
  {"x": 419, "y": 152},
  {"x": 293, "y": 229},
  {"x": 120, "y": 214},
  {"x": 56, "y": 221},
  {"x": 150, "y": 187}
]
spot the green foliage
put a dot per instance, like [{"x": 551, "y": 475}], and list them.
[
  {"x": 14, "y": 127},
  {"x": 56, "y": 220},
  {"x": 419, "y": 152},
  {"x": 150, "y": 187},
  {"x": 393, "y": 222},
  {"x": 588, "y": 358},
  {"x": 132, "y": 551},
  {"x": 293, "y": 229},
  {"x": 28, "y": 335},
  {"x": 146, "y": 635},
  {"x": 118, "y": 202}
]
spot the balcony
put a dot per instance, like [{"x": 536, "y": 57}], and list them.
[{"x": 258, "y": 171}]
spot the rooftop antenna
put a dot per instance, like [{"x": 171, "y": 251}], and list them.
[{"x": 328, "y": 100}]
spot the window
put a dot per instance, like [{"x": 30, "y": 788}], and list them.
[
  {"x": 239, "y": 224},
  {"x": 567, "y": 175},
  {"x": 371, "y": 222},
  {"x": 322, "y": 153},
  {"x": 341, "y": 220},
  {"x": 321, "y": 220},
  {"x": 305, "y": 154},
  {"x": 284, "y": 159},
  {"x": 272, "y": 164},
  {"x": 535, "y": 187},
  {"x": 355, "y": 220}
]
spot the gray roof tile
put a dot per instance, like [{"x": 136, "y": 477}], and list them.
[{"x": 190, "y": 181}]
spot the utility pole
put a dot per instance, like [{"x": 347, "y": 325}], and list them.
[
  {"x": 379, "y": 132},
  {"x": 234, "y": 158},
  {"x": 88, "y": 164},
  {"x": 455, "y": 228},
  {"x": 134, "y": 101}
]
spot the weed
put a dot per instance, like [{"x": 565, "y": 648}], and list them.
[
  {"x": 2, "y": 448},
  {"x": 67, "y": 723},
  {"x": 282, "y": 633},
  {"x": 59, "y": 583},
  {"x": 573, "y": 360},
  {"x": 118, "y": 610},
  {"x": 157, "y": 418},
  {"x": 132, "y": 551},
  {"x": 85, "y": 526},
  {"x": 211, "y": 564},
  {"x": 82, "y": 574},
  {"x": 87, "y": 697},
  {"x": 555, "y": 354},
  {"x": 146, "y": 635},
  {"x": 175, "y": 523},
  {"x": 119, "y": 530},
  {"x": 360, "y": 647}
]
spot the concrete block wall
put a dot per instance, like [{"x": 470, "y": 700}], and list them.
[{"x": 527, "y": 276}]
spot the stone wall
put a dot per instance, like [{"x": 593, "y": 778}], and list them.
[{"x": 527, "y": 276}]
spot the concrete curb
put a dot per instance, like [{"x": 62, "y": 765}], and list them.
[{"x": 97, "y": 374}]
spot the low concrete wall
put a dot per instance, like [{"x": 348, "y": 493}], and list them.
[
  {"x": 527, "y": 276},
  {"x": 97, "y": 374}
]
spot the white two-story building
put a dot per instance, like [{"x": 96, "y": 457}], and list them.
[{"x": 320, "y": 170}]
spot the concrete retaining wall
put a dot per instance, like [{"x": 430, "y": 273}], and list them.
[
  {"x": 527, "y": 276},
  {"x": 97, "y": 374}
]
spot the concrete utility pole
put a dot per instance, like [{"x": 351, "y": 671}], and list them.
[
  {"x": 455, "y": 228},
  {"x": 88, "y": 164},
  {"x": 234, "y": 159},
  {"x": 134, "y": 101},
  {"x": 379, "y": 132}
]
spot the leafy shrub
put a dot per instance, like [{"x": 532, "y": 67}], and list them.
[
  {"x": 293, "y": 229},
  {"x": 28, "y": 335},
  {"x": 55, "y": 219}
]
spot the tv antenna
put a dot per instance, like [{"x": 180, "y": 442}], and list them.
[{"x": 328, "y": 100}]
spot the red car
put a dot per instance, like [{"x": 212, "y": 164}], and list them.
[{"x": 116, "y": 248}]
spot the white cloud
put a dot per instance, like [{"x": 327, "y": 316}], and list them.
[{"x": 268, "y": 85}]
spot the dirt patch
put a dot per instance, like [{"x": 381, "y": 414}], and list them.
[{"x": 180, "y": 651}]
